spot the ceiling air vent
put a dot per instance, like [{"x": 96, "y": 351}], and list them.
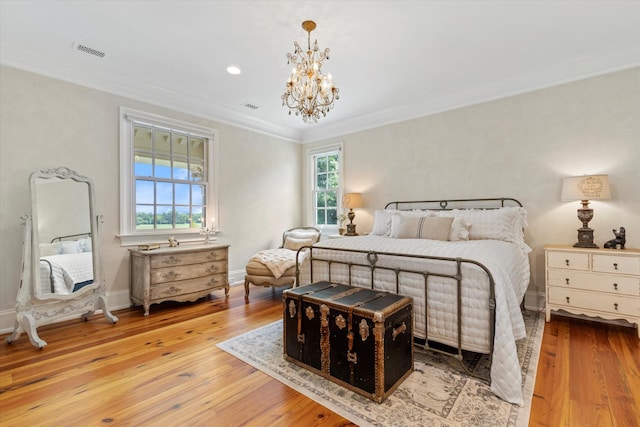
[
  {"x": 90, "y": 51},
  {"x": 250, "y": 106}
]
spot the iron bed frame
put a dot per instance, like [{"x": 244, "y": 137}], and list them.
[{"x": 371, "y": 259}]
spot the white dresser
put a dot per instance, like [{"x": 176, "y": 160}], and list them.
[
  {"x": 183, "y": 273},
  {"x": 601, "y": 283}
]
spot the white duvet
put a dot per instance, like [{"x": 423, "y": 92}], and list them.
[
  {"x": 508, "y": 264},
  {"x": 68, "y": 270}
]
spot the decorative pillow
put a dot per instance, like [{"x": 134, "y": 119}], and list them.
[
  {"x": 405, "y": 226},
  {"x": 71, "y": 247},
  {"x": 295, "y": 244},
  {"x": 493, "y": 224},
  {"x": 382, "y": 222},
  {"x": 459, "y": 230},
  {"x": 47, "y": 249},
  {"x": 436, "y": 228}
]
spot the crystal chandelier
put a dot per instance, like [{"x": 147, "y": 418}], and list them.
[{"x": 308, "y": 92}]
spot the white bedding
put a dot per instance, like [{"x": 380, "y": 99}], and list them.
[
  {"x": 508, "y": 264},
  {"x": 68, "y": 270}
]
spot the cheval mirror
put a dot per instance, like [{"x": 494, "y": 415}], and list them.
[{"x": 61, "y": 263}]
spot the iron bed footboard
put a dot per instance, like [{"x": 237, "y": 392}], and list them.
[{"x": 371, "y": 263}]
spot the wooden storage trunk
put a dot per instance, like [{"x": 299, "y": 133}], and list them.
[{"x": 356, "y": 337}]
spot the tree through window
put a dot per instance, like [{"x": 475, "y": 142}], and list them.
[{"x": 326, "y": 187}]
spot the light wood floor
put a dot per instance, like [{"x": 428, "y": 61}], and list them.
[{"x": 165, "y": 370}]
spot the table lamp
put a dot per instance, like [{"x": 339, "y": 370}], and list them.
[
  {"x": 585, "y": 188},
  {"x": 350, "y": 201}
]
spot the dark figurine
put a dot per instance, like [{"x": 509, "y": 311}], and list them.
[{"x": 619, "y": 240}]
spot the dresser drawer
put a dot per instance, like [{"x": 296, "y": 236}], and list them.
[
  {"x": 616, "y": 264},
  {"x": 613, "y": 304},
  {"x": 622, "y": 285},
  {"x": 570, "y": 260},
  {"x": 183, "y": 272},
  {"x": 170, "y": 260},
  {"x": 182, "y": 287}
]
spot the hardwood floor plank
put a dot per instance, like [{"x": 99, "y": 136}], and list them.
[
  {"x": 166, "y": 370},
  {"x": 587, "y": 375}
]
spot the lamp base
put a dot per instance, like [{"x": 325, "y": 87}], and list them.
[
  {"x": 585, "y": 238},
  {"x": 351, "y": 230}
]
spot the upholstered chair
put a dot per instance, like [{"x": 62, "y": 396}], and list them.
[{"x": 277, "y": 267}]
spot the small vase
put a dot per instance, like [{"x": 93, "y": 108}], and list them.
[{"x": 341, "y": 231}]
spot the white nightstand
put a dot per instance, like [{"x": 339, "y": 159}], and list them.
[{"x": 601, "y": 283}]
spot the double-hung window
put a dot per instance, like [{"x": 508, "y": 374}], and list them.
[
  {"x": 325, "y": 167},
  {"x": 167, "y": 176}
]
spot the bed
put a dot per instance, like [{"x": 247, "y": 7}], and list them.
[
  {"x": 66, "y": 264},
  {"x": 465, "y": 264}
]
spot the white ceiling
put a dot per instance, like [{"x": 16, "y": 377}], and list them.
[{"x": 391, "y": 60}]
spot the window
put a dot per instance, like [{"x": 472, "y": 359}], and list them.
[
  {"x": 167, "y": 170},
  {"x": 326, "y": 177}
]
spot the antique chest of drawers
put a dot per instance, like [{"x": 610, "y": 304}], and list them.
[
  {"x": 183, "y": 273},
  {"x": 359, "y": 338},
  {"x": 601, "y": 283}
]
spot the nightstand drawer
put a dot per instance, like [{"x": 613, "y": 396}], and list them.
[
  {"x": 595, "y": 282},
  {"x": 616, "y": 264},
  {"x": 569, "y": 260},
  {"x": 611, "y": 304}
]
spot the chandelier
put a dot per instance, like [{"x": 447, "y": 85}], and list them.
[{"x": 309, "y": 93}]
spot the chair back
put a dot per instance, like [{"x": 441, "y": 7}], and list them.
[{"x": 302, "y": 233}]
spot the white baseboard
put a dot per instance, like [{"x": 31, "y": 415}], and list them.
[
  {"x": 236, "y": 277},
  {"x": 534, "y": 301}
]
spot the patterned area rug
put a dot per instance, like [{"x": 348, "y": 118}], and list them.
[{"x": 437, "y": 393}]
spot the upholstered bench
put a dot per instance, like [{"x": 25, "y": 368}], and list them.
[{"x": 276, "y": 267}]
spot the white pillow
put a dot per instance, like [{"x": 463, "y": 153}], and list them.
[
  {"x": 85, "y": 244},
  {"x": 47, "y": 249},
  {"x": 295, "y": 244},
  {"x": 71, "y": 247},
  {"x": 382, "y": 222},
  {"x": 459, "y": 230},
  {"x": 504, "y": 224}
]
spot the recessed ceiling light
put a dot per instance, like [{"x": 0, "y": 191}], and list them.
[{"x": 232, "y": 69}]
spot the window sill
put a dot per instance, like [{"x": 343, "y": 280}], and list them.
[{"x": 160, "y": 237}]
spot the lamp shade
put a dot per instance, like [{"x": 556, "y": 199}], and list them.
[
  {"x": 352, "y": 200},
  {"x": 586, "y": 187}
]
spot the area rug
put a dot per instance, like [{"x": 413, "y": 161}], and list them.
[{"x": 437, "y": 393}]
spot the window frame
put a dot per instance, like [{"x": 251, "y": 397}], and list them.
[
  {"x": 312, "y": 154},
  {"x": 128, "y": 233}
]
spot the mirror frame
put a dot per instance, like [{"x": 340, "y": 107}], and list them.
[{"x": 63, "y": 173}]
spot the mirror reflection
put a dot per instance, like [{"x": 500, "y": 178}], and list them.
[{"x": 62, "y": 236}]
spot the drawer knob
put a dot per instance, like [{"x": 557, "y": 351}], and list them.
[
  {"x": 568, "y": 300},
  {"x": 615, "y": 305},
  {"x": 566, "y": 280},
  {"x": 615, "y": 265},
  {"x": 566, "y": 261},
  {"x": 615, "y": 286}
]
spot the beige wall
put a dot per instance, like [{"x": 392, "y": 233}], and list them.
[
  {"x": 46, "y": 123},
  {"x": 521, "y": 147}
]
